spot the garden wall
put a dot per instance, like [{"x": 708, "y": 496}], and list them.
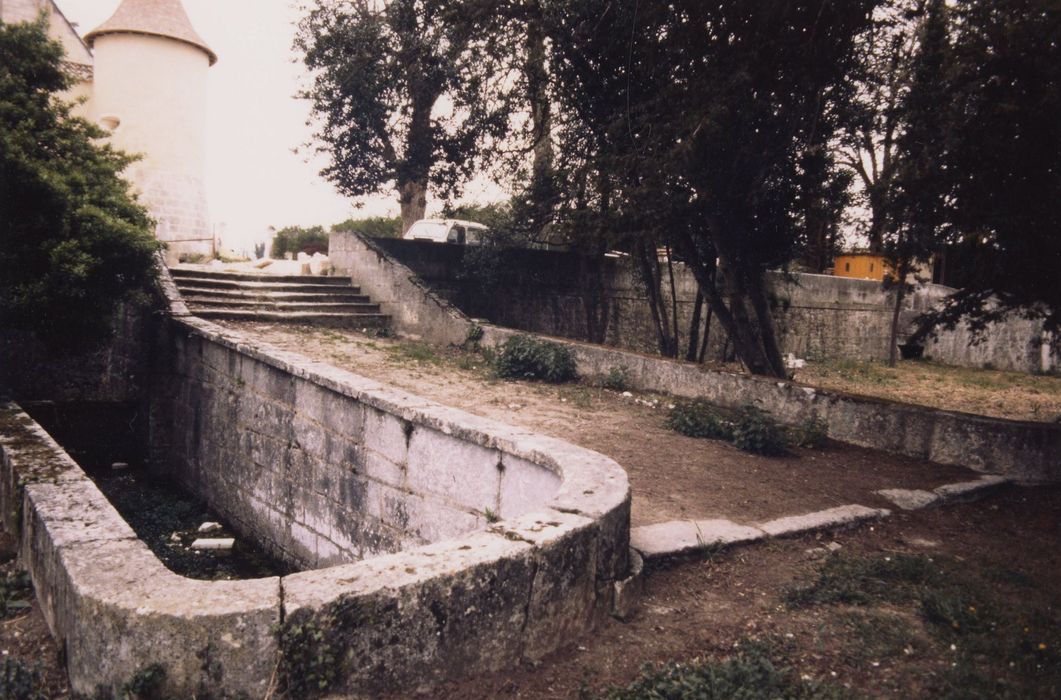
[
  {"x": 817, "y": 316},
  {"x": 1023, "y": 450}
]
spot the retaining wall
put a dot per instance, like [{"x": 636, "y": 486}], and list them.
[
  {"x": 1030, "y": 452},
  {"x": 506, "y": 587},
  {"x": 817, "y": 316}
]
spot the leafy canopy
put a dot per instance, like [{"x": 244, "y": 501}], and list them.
[{"x": 73, "y": 240}]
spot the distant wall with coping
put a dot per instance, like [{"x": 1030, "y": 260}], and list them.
[
  {"x": 816, "y": 316},
  {"x": 493, "y": 591},
  {"x": 1023, "y": 450}
]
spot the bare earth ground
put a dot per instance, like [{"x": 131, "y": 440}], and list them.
[
  {"x": 671, "y": 476},
  {"x": 1013, "y": 395},
  {"x": 1001, "y": 555}
]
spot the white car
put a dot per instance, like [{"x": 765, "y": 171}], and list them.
[{"x": 446, "y": 231}]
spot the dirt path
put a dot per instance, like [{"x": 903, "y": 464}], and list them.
[{"x": 671, "y": 476}]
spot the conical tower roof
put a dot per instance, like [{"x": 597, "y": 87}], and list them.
[{"x": 156, "y": 17}]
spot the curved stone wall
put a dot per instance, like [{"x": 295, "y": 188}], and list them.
[{"x": 492, "y": 590}]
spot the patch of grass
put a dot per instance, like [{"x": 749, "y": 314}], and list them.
[
  {"x": 994, "y": 650},
  {"x": 880, "y": 636},
  {"x": 422, "y": 353},
  {"x": 864, "y": 581},
  {"x": 748, "y": 675},
  {"x": 527, "y": 357}
]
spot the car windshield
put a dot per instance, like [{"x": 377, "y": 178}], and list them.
[{"x": 431, "y": 230}]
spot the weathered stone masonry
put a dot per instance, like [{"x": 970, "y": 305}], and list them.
[{"x": 322, "y": 467}]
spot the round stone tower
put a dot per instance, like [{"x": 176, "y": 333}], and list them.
[{"x": 150, "y": 92}]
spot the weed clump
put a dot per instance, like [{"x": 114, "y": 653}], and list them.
[
  {"x": 812, "y": 432},
  {"x": 616, "y": 379},
  {"x": 699, "y": 419},
  {"x": 526, "y": 357},
  {"x": 19, "y": 681},
  {"x": 754, "y": 430},
  {"x": 749, "y": 675}
]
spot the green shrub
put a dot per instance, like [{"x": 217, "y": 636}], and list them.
[
  {"x": 812, "y": 432},
  {"x": 698, "y": 418},
  {"x": 754, "y": 430},
  {"x": 527, "y": 357},
  {"x": 616, "y": 379},
  {"x": 296, "y": 239},
  {"x": 373, "y": 226}
]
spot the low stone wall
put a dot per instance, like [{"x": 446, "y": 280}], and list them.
[
  {"x": 511, "y": 584},
  {"x": 1025, "y": 451}
]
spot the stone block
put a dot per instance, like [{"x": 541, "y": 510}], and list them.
[
  {"x": 840, "y": 516},
  {"x": 678, "y": 537},
  {"x": 909, "y": 499},
  {"x": 459, "y": 471},
  {"x": 525, "y": 486}
]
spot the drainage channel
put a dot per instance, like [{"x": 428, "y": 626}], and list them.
[{"x": 189, "y": 538}]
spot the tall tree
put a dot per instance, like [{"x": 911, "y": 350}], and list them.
[
  {"x": 918, "y": 197},
  {"x": 404, "y": 95},
  {"x": 73, "y": 240},
  {"x": 1003, "y": 166},
  {"x": 708, "y": 109}
]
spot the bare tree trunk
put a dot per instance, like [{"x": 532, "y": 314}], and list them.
[
  {"x": 694, "y": 327},
  {"x": 673, "y": 301},
  {"x": 707, "y": 335},
  {"x": 412, "y": 196},
  {"x": 648, "y": 269},
  {"x": 900, "y": 296}
]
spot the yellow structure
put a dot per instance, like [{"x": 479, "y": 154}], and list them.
[
  {"x": 143, "y": 76},
  {"x": 862, "y": 266}
]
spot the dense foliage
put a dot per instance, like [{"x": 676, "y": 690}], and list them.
[
  {"x": 373, "y": 226},
  {"x": 299, "y": 239},
  {"x": 73, "y": 240},
  {"x": 1001, "y": 167},
  {"x": 527, "y": 357}
]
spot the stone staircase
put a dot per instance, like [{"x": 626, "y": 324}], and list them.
[{"x": 233, "y": 296}]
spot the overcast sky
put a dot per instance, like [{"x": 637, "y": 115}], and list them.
[{"x": 253, "y": 178}]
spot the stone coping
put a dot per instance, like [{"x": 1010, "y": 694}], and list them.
[{"x": 482, "y": 602}]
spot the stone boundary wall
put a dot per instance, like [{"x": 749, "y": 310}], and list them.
[
  {"x": 817, "y": 316},
  {"x": 1029, "y": 452},
  {"x": 520, "y": 587},
  {"x": 1025, "y": 451}
]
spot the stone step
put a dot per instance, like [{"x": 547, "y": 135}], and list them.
[
  {"x": 211, "y": 283},
  {"x": 350, "y": 296},
  {"x": 197, "y": 302},
  {"x": 186, "y": 272},
  {"x": 339, "y": 320}
]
